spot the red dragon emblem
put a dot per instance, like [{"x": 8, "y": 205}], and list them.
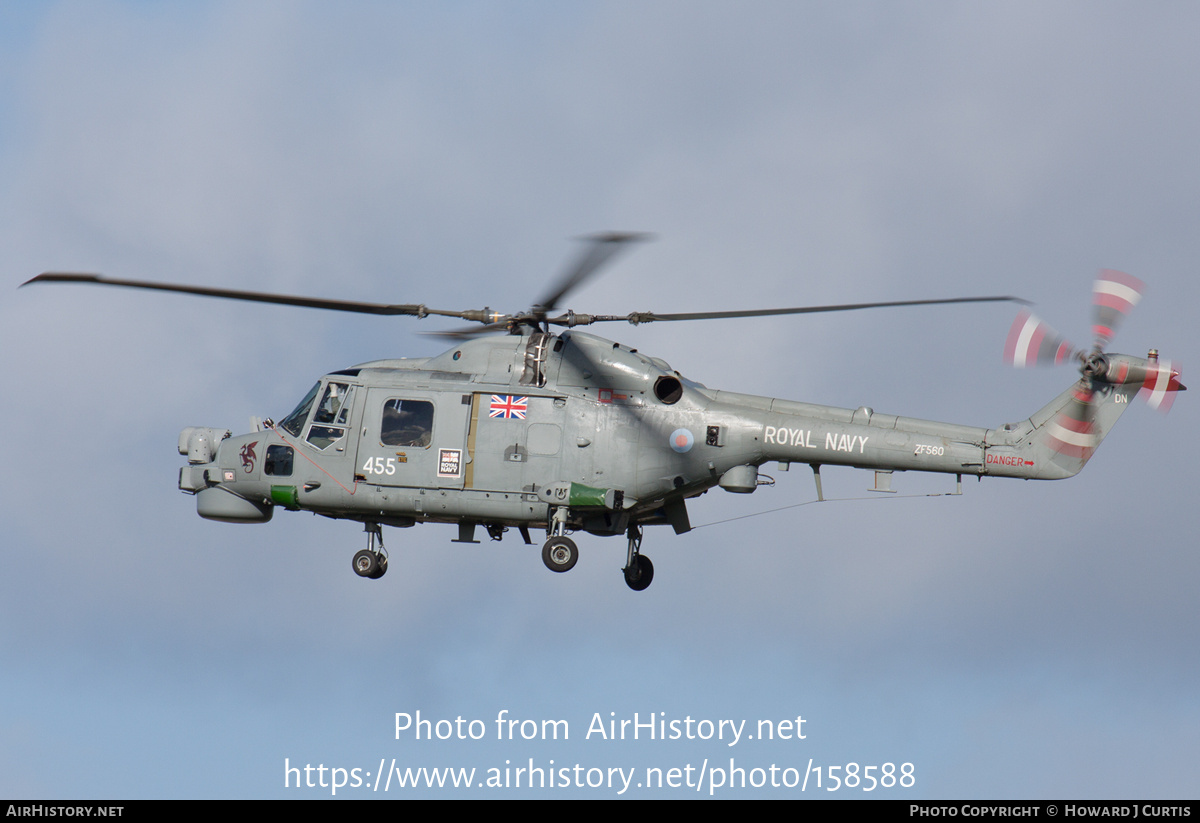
[{"x": 248, "y": 456}]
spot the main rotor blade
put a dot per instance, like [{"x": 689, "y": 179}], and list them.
[
  {"x": 599, "y": 250},
  {"x": 412, "y": 309},
  {"x": 468, "y": 332},
  {"x": 650, "y": 317}
]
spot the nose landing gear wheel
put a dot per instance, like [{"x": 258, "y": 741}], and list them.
[
  {"x": 560, "y": 554},
  {"x": 640, "y": 574}
]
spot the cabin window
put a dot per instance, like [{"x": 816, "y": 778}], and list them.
[{"x": 407, "y": 423}]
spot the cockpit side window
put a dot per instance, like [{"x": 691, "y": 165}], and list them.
[
  {"x": 333, "y": 403},
  {"x": 333, "y": 408},
  {"x": 407, "y": 423},
  {"x": 343, "y": 416}
]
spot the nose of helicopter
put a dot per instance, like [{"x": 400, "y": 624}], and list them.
[{"x": 221, "y": 472}]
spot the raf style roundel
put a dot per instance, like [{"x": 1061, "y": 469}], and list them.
[{"x": 681, "y": 440}]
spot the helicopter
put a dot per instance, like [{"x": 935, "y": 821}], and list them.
[{"x": 527, "y": 422}]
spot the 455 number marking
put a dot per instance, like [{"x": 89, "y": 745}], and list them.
[{"x": 379, "y": 465}]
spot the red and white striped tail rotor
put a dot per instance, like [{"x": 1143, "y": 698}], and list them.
[
  {"x": 1114, "y": 294},
  {"x": 1031, "y": 342}
]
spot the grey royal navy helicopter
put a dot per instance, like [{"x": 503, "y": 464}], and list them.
[{"x": 567, "y": 431}]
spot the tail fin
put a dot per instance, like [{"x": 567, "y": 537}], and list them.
[
  {"x": 1058, "y": 440},
  {"x": 1068, "y": 430}
]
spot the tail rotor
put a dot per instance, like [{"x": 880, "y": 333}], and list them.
[{"x": 1076, "y": 431}]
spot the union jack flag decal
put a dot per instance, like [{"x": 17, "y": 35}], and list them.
[{"x": 505, "y": 405}]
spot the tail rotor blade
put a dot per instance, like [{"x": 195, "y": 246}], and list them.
[
  {"x": 1161, "y": 385},
  {"x": 1031, "y": 342},
  {"x": 1073, "y": 433},
  {"x": 1115, "y": 293}
]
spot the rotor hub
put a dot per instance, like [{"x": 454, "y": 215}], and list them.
[{"x": 1095, "y": 365}]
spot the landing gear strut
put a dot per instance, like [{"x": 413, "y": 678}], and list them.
[
  {"x": 639, "y": 571},
  {"x": 372, "y": 562},
  {"x": 560, "y": 554}
]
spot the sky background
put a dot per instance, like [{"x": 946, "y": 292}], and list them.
[{"x": 1025, "y": 640}]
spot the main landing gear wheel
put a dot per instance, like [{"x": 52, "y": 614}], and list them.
[
  {"x": 560, "y": 554},
  {"x": 640, "y": 574},
  {"x": 382, "y": 570},
  {"x": 369, "y": 564}
]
